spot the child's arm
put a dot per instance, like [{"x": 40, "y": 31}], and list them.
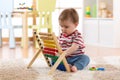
[{"x": 73, "y": 48}]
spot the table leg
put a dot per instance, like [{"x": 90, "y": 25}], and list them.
[
  {"x": 0, "y": 37},
  {"x": 25, "y": 30}
]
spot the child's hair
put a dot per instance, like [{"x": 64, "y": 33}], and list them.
[{"x": 69, "y": 13}]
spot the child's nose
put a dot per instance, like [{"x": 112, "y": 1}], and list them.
[{"x": 63, "y": 29}]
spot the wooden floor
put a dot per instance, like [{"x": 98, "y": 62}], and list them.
[
  {"x": 19, "y": 52},
  {"x": 95, "y": 51}
]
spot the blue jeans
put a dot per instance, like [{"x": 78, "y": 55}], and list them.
[{"x": 80, "y": 61}]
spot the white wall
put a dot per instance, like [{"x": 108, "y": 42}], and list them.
[{"x": 116, "y": 23}]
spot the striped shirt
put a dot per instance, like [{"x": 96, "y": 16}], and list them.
[{"x": 67, "y": 41}]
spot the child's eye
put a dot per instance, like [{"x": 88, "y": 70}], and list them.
[
  {"x": 63, "y": 26},
  {"x": 66, "y": 27}
]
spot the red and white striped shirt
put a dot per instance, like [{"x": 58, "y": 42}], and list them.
[{"x": 67, "y": 41}]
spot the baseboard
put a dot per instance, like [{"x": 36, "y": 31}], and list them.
[
  {"x": 16, "y": 39},
  {"x": 101, "y": 45}
]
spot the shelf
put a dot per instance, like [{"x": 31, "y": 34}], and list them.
[
  {"x": 98, "y": 9},
  {"x": 98, "y": 18}
]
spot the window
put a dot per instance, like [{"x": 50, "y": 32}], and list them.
[{"x": 60, "y": 5}]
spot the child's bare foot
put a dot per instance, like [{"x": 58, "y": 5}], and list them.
[{"x": 74, "y": 69}]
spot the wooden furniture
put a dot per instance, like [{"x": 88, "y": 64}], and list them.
[
  {"x": 49, "y": 47},
  {"x": 6, "y": 8},
  {"x": 45, "y": 9},
  {"x": 24, "y": 15}
]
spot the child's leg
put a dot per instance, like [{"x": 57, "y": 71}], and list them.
[
  {"x": 76, "y": 62},
  {"x": 80, "y": 62}
]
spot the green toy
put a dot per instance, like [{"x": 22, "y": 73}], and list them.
[{"x": 88, "y": 13}]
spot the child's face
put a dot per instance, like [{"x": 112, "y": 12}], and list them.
[{"x": 68, "y": 27}]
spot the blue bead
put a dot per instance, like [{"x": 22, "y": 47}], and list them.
[{"x": 100, "y": 69}]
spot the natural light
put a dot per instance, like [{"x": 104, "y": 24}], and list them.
[{"x": 60, "y": 5}]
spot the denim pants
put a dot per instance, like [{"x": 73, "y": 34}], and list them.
[{"x": 80, "y": 61}]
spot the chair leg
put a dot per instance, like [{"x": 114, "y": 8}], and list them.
[
  {"x": 34, "y": 38},
  {"x": 11, "y": 32},
  {"x": 24, "y": 42},
  {"x": 33, "y": 59},
  {"x": 0, "y": 37},
  {"x": 12, "y": 39}
]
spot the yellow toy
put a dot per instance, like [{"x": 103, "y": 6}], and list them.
[{"x": 88, "y": 14}]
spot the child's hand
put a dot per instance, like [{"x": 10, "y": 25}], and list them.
[{"x": 65, "y": 52}]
